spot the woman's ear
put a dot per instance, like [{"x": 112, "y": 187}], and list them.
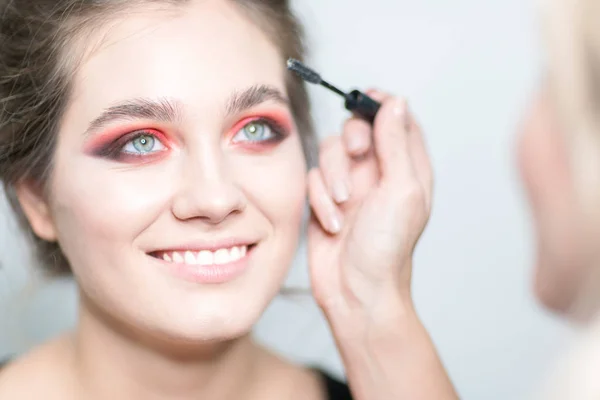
[{"x": 36, "y": 209}]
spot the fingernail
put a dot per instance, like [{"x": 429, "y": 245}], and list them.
[
  {"x": 400, "y": 109},
  {"x": 335, "y": 223},
  {"x": 341, "y": 191}
]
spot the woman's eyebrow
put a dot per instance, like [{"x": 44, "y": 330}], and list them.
[
  {"x": 164, "y": 110},
  {"x": 169, "y": 110},
  {"x": 254, "y": 96}
]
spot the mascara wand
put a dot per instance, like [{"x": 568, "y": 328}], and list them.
[{"x": 355, "y": 101}]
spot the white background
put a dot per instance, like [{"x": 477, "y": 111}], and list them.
[{"x": 468, "y": 67}]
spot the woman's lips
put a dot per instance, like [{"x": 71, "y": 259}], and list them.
[{"x": 206, "y": 266}]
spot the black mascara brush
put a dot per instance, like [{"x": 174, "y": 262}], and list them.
[{"x": 355, "y": 101}]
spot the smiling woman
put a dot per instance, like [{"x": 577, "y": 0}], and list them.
[
  {"x": 158, "y": 151},
  {"x": 151, "y": 162}
]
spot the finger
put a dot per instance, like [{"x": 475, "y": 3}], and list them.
[
  {"x": 325, "y": 210},
  {"x": 391, "y": 141},
  {"x": 420, "y": 158},
  {"x": 378, "y": 95},
  {"x": 357, "y": 136},
  {"x": 334, "y": 164}
]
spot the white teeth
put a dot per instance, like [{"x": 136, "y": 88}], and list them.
[
  {"x": 190, "y": 258},
  {"x": 177, "y": 259},
  {"x": 222, "y": 257},
  {"x": 206, "y": 257},
  {"x": 235, "y": 254}
]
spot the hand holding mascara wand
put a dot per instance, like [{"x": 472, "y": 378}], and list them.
[
  {"x": 355, "y": 101},
  {"x": 382, "y": 201}
]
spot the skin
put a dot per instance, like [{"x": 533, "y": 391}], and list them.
[
  {"x": 565, "y": 229},
  {"x": 145, "y": 332},
  {"x": 181, "y": 340}
]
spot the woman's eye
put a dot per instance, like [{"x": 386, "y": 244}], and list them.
[
  {"x": 143, "y": 144},
  {"x": 255, "y": 131}
]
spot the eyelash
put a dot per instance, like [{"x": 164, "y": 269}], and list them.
[{"x": 114, "y": 150}]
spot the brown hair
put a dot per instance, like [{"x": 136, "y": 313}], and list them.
[{"x": 37, "y": 41}]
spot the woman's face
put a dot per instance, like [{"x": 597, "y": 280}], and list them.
[
  {"x": 567, "y": 235},
  {"x": 179, "y": 183}
]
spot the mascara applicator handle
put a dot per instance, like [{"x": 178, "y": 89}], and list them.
[{"x": 362, "y": 105}]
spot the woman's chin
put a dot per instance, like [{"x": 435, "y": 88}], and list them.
[
  {"x": 209, "y": 329},
  {"x": 193, "y": 340}
]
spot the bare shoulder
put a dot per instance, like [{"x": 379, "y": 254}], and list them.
[{"x": 39, "y": 373}]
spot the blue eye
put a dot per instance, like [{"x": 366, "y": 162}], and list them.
[
  {"x": 254, "y": 131},
  {"x": 258, "y": 131},
  {"x": 143, "y": 144}
]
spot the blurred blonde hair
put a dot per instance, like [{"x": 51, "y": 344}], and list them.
[
  {"x": 571, "y": 31},
  {"x": 572, "y": 39}
]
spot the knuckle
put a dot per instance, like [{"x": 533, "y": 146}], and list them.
[{"x": 413, "y": 196}]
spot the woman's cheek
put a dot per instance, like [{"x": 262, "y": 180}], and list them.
[
  {"x": 110, "y": 199},
  {"x": 279, "y": 184}
]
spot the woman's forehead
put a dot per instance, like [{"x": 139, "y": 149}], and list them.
[{"x": 199, "y": 57}]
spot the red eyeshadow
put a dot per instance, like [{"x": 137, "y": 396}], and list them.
[
  {"x": 103, "y": 139},
  {"x": 282, "y": 118}
]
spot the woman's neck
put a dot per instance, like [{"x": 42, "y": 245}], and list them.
[{"x": 111, "y": 363}]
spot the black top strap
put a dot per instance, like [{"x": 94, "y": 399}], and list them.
[{"x": 336, "y": 390}]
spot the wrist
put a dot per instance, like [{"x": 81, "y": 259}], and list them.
[
  {"x": 387, "y": 352},
  {"x": 392, "y": 316},
  {"x": 380, "y": 356}
]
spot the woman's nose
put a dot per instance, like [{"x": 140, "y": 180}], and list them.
[{"x": 208, "y": 192}]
